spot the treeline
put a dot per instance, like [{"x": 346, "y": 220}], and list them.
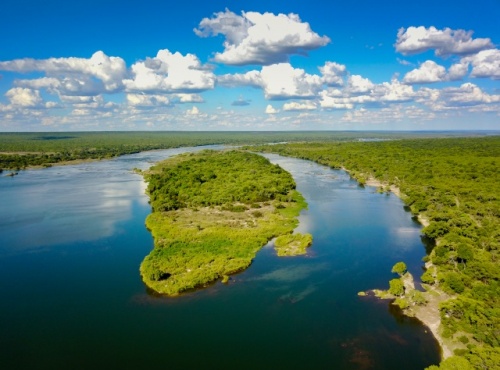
[
  {"x": 212, "y": 211},
  {"x": 21, "y": 150},
  {"x": 455, "y": 184},
  {"x": 209, "y": 179}
]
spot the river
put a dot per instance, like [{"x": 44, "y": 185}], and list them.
[{"x": 72, "y": 238}]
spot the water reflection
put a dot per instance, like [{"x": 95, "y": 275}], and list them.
[{"x": 63, "y": 204}]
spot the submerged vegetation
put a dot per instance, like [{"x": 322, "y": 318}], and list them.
[
  {"x": 292, "y": 244},
  {"x": 453, "y": 184},
  {"x": 212, "y": 212}
]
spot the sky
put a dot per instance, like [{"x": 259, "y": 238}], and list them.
[{"x": 237, "y": 65}]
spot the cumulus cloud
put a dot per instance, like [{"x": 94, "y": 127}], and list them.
[
  {"x": 486, "y": 63},
  {"x": 251, "y": 78},
  {"x": 75, "y": 72},
  {"x": 393, "y": 92},
  {"x": 333, "y": 73},
  {"x": 271, "y": 110},
  {"x": 359, "y": 85},
  {"x": 414, "y": 40},
  {"x": 428, "y": 72},
  {"x": 186, "y": 98},
  {"x": 170, "y": 73},
  {"x": 467, "y": 94},
  {"x": 24, "y": 97},
  {"x": 295, "y": 106},
  {"x": 458, "y": 71},
  {"x": 193, "y": 111},
  {"x": 262, "y": 39},
  {"x": 361, "y": 91},
  {"x": 142, "y": 100},
  {"x": 282, "y": 81}
]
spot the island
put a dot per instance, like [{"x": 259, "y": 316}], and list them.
[{"x": 212, "y": 211}]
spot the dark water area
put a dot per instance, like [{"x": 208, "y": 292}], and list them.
[{"x": 72, "y": 239}]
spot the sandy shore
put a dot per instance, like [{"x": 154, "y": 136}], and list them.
[{"x": 397, "y": 192}]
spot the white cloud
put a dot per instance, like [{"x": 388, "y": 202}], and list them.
[
  {"x": 282, "y": 81},
  {"x": 486, "y": 63},
  {"x": 24, "y": 97},
  {"x": 142, "y": 100},
  {"x": 467, "y": 94},
  {"x": 393, "y": 92},
  {"x": 170, "y": 73},
  {"x": 251, "y": 78},
  {"x": 388, "y": 115},
  {"x": 414, "y": 40},
  {"x": 458, "y": 71},
  {"x": 271, "y": 110},
  {"x": 109, "y": 71},
  {"x": 359, "y": 85},
  {"x": 193, "y": 111},
  {"x": 262, "y": 39},
  {"x": 428, "y": 72},
  {"x": 187, "y": 98},
  {"x": 295, "y": 106},
  {"x": 333, "y": 73}
]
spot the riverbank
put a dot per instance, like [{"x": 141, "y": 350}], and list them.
[
  {"x": 428, "y": 313},
  {"x": 397, "y": 192}
]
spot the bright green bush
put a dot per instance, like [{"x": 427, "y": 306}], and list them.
[{"x": 396, "y": 287}]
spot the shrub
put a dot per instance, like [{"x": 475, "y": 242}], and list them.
[{"x": 396, "y": 287}]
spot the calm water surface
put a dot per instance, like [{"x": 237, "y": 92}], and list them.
[{"x": 72, "y": 239}]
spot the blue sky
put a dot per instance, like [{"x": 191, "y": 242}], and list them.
[{"x": 249, "y": 65}]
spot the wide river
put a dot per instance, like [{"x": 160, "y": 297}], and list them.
[{"x": 72, "y": 239}]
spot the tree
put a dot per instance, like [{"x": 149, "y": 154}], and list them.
[
  {"x": 453, "y": 363},
  {"x": 399, "y": 268},
  {"x": 396, "y": 287}
]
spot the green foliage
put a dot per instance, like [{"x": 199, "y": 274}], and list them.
[
  {"x": 210, "y": 179},
  {"x": 396, "y": 287},
  {"x": 454, "y": 281},
  {"x": 484, "y": 358},
  {"x": 427, "y": 278},
  {"x": 399, "y": 268},
  {"x": 453, "y": 363},
  {"x": 402, "y": 303},
  {"x": 210, "y": 233}
]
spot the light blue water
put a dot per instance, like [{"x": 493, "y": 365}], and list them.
[{"x": 72, "y": 239}]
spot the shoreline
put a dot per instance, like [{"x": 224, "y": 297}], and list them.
[{"x": 428, "y": 314}]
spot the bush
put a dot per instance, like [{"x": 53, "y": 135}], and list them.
[
  {"x": 396, "y": 287},
  {"x": 427, "y": 278},
  {"x": 399, "y": 268}
]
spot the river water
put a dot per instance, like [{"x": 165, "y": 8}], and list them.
[{"x": 72, "y": 239}]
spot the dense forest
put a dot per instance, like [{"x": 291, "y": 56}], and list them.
[
  {"x": 212, "y": 211},
  {"x": 23, "y": 150},
  {"x": 454, "y": 183}
]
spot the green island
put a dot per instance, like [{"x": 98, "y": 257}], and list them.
[
  {"x": 212, "y": 212},
  {"x": 453, "y": 186}
]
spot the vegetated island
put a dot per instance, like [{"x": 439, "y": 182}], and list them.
[
  {"x": 453, "y": 186},
  {"x": 212, "y": 212}
]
